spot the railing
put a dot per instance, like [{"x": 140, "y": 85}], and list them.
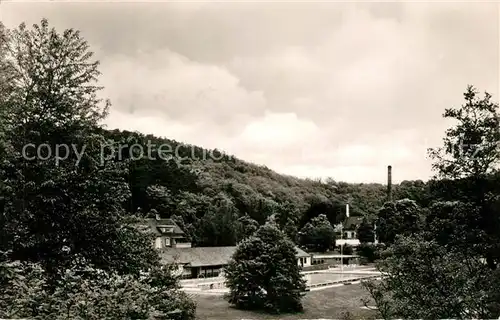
[{"x": 341, "y": 281}]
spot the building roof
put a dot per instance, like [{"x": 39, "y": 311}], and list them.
[
  {"x": 352, "y": 223},
  {"x": 155, "y": 224},
  {"x": 205, "y": 256},
  {"x": 301, "y": 253}
]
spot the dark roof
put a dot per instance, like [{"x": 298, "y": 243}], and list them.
[
  {"x": 204, "y": 256},
  {"x": 352, "y": 223},
  {"x": 154, "y": 224},
  {"x": 301, "y": 253}
]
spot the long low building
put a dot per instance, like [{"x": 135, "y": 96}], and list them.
[
  {"x": 194, "y": 262},
  {"x": 334, "y": 259},
  {"x": 197, "y": 262}
]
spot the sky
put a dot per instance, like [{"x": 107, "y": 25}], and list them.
[{"x": 310, "y": 89}]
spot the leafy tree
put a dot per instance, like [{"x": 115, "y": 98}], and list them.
[
  {"x": 450, "y": 269},
  {"x": 366, "y": 233},
  {"x": 470, "y": 158},
  {"x": 416, "y": 190},
  {"x": 369, "y": 251},
  {"x": 263, "y": 273},
  {"x": 402, "y": 217},
  {"x": 67, "y": 202},
  {"x": 84, "y": 292},
  {"x": 160, "y": 199},
  {"x": 217, "y": 227},
  {"x": 448, "y": 223},
  {"x": 72, "y": 203},
  {"x": 290, "y": 229},
  {"x": 426, "y": 281},
  {"x": 347, "y": 249},
  {"x": 245, "y": 227},
  {"x": 471, "y": 146},
  {"x": 318, "y": 234}
]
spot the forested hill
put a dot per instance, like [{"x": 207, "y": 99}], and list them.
[{"x": 212, "y": 195}]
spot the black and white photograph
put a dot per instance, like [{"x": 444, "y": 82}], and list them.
[{"x": 249, "y": 160}]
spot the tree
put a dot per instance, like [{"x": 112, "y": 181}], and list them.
[
  {"x": 471, "y": 146},
  {"x": 263, "y": 273},
  {"x": 402, "y": 217},
  {"x": 369, "y": 251},
  {"x": 245, "y": 227},
  {"x": 366, "y": 233},
  {"x": 318, "y": 234},
  {"x": 217, "y": 227},
  {"x": 469, "y": 160},
  {"x": 57, "y": 207},
  {"x": 416, "y": 190},
  {"x": 449, "y": 269},
  {"x": 84, "y": 292},
  {"x": 347, "y": 249},
  {"x": 426, "y": 281},
  {"x": 160, "y": 199}
]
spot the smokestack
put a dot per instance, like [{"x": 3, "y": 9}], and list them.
[{"x": 389, "y": 183}]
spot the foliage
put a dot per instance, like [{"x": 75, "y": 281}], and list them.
[
  {"x": 369, "y": 251},
  {"x": 216, "y": 227},
  {"x": 263, "y": 273},
  {"x": 347, "y": 249},
  {"x": 402, "y": 217},
  {"x": 318, "y": 234},
  {"x": 245, "y": 227},
  {"x": 72, "y": 251},
  {"x": 424, "y": 280},
  {"x": 470, "y": 158},
  {"x": 366, "y": 232},
  {"x": 69, "y": 203},
  {"x": 449, "y": 268},
  {"x": 252, "y": 189},
  {"x": 471, "y": 146},
  {"x": 414, "y": 190},
  {"x": 84, "y": 292}
]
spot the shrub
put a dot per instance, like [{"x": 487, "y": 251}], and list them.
[
  {"x": 83, "y": 292},
  {"x": 369, "y": 252},
  {"x": 348, "y": 249}
]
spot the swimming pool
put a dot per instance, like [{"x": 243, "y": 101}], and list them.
[{"x": 314, "y": 279}]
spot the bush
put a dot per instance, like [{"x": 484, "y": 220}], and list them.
[
  {"x": 86, "y": 293},
  {"x": 369, "y": 252},
  {"x": 263, "y": 273},
  {"x": 348, "y": 249}
]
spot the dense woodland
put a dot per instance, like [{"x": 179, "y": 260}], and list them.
[{"x": 207, "y": 197}]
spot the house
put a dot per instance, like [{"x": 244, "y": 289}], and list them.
[
  {"x": 195, "y": 262},
  {"x": 167, "y": 233},
  {"x": 349, "y": 228}
]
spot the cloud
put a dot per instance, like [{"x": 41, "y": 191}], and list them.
[
  {"x": 311, "y": 89},
  {"x": 175, "y": 87}
]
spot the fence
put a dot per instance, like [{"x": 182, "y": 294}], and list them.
[{"x": 343, "y": 281}]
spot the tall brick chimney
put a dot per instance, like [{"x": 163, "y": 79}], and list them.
[{"x": 389, "y": 183}]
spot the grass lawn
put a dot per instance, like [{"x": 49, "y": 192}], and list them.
[{"x": 332, "y": 303}]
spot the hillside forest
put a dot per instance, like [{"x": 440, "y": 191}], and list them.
[{"x": 212, "y": 197}]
